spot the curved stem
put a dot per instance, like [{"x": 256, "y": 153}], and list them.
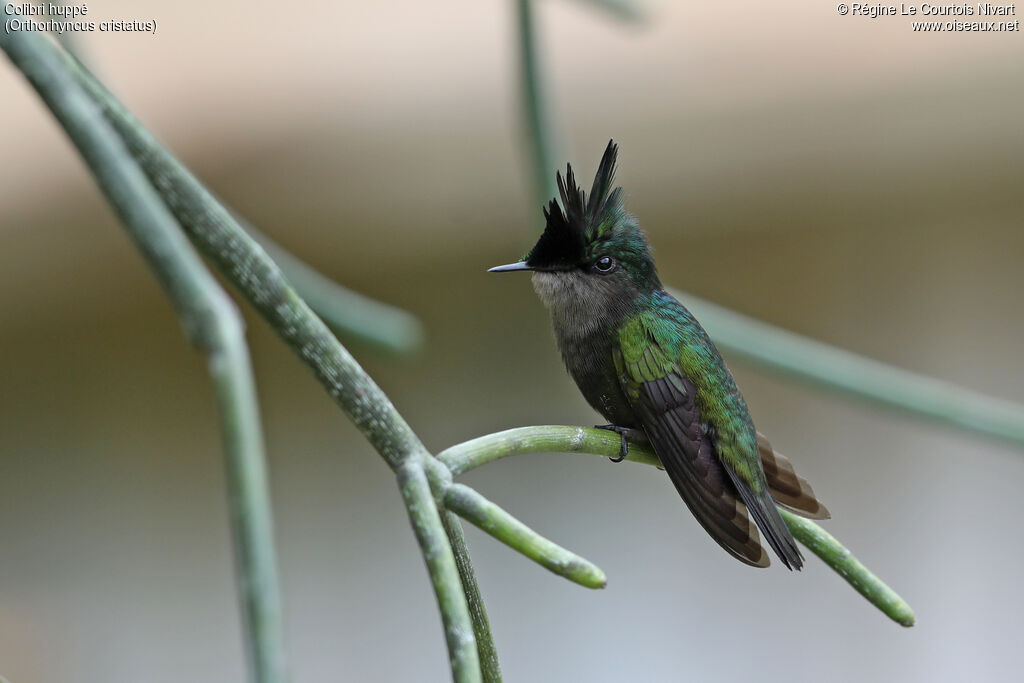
[
  {"x": 471, "y": 506},
  {"x": 444, "y": 574},
  {"x": 487, "y": 653},
  {"x": 835, "y": 555},
  {"x": 551, "y": 438},
  {"x": 382, "y": 326},
  {"x": 489, "y": 517},
  {"x": 540, "y": 439},
  {"x": 538, "y": 122},
  {"x": 211, "y": 227}
]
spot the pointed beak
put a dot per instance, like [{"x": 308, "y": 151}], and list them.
[{"x": 522, "y": 265}]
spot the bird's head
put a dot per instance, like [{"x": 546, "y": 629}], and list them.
[{"x": 591, "y": 247}]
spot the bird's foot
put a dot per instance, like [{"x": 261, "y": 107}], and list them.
[{"x": 623, "y": 432}]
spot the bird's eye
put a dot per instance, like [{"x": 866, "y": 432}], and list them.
[{"x": 604, "y": 264}]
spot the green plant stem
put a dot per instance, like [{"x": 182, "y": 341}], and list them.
[
  {"x": 539, "y": 439},
  {"x": 384, "y": 327},
  {"x": 242, "y": 261},
  {"x": 535, "y": 113},
  {"x": 444, "y": 574},
  {"x": 842, "y": 371},
  {"x": 835, "y": 555},
  {"x": 490, "y": 518},
  {"x": 248, "y": 267},
  {"x": 211, "y": 322},
  {"x": 261, "y": 281},
  {"x": 474, "y": 508},
  {"x": 549, "y": 438},
  {"x": 490, "y": 668}
]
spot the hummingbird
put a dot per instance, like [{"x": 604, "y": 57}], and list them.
[{"x": 642, "y": 360}]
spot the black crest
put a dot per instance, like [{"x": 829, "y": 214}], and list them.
[{"x": 571, "y": 226}]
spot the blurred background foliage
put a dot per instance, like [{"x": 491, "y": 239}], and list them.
[{"x": 846, "y": 179}]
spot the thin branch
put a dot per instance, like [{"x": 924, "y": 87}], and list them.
[
  {"x": 248, "y": 267},
  {"x": 540, "y": 439},
  {"x": 842, "y": 371},
  {"x": 69, "y": 40},
  {"x": 444, "y": 574},
  {"x": 242, "y": 261},
  {"x": 474, "y": 508},
  {"x": 211, "y": 322},
  {"x": 490, "y": 518},
  {"x": 385, "y": 327},
  {"x": 490, "y": 668},
  {"x": 465, "y": 456},
  {"x": 535, "y": 112},
  {"x": 835, "y": 555}
]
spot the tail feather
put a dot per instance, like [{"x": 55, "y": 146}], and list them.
[{"x": 789, "y": 489}]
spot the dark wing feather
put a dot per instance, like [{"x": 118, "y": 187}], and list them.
[
  {"x": 788, "y": 488},
  {"x": 672, "y": 422}
]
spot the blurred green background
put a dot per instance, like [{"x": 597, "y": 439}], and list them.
[{"x": 845, "y": 178}]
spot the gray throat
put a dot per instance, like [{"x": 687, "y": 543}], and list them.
[{"x": 582, "y": 305}]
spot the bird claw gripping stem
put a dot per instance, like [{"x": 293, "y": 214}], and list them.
[{"x": 623, "y": 432}]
